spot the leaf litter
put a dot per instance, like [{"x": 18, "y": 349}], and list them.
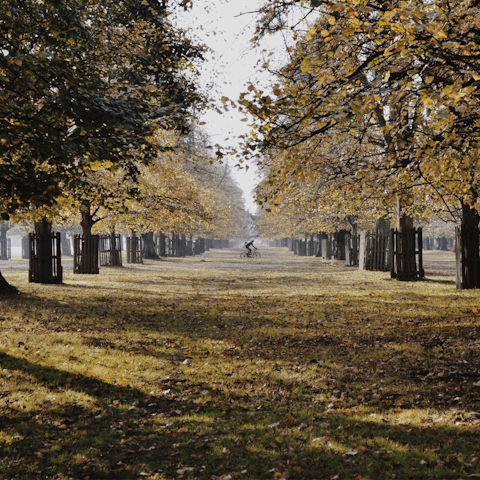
[{"x": 302, "y": 371}]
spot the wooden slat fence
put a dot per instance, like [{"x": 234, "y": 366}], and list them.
[
  {"x": 199, "y": 246},
  {"x": 85, "y": 254},
  {"x": 407, "y": 255},
  {"x": 5, "y": 249},
  {"x": 110, "y": 250},
  {"x": 25, "y": 247},
  {"x": 134, "y": 250},
  {"x": 377, "y": 252},
  {"x": 45, "y": 268}
]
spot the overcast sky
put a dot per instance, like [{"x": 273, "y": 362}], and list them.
[{"x": 226, "y": 26}]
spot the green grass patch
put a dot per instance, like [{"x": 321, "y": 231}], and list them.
[{"x": 274, "y": 368}]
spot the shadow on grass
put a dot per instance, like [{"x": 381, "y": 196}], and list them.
[
  {"x": 270, "y": 419},
  {"x": 123, "y": 432},
  {"x": 440, "y": 282}
]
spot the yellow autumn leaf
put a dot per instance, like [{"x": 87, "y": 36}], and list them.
[{"x": 427, "y": 102}]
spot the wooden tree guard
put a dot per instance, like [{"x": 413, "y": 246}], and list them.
[
  {"x": 301, "y": 247},
  {"x": 183, "y": 246},
  {"x": 134, "y": 250},
  {"x": 25, "y": 247},
  {"x": 199, "y": 246},
  {"x": 351, "y": 250},
  {"x": 467, "y": 269},
  {"x": 407, "y": 257},
  {"x": 45, "y": 264},
  {"x": 5, "y": 249},
  {"x": 160, "y": 248},
  {"x": 177, "y": 245},
  {"x": 85, "y": 254},
  {"x": 377, "y": 251},
  {"x": 110, "y": 250}
]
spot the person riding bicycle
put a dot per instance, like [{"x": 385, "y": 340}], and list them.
[{"x": 248, "y": 247}]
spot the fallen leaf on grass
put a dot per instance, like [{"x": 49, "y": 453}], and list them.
[
  {"x": 273, "y": 425},
  {"x": 182, "y": 471}
]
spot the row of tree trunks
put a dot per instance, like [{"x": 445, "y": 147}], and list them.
[
  {"x": 440, "y": 243},
  {"x": 177, "y": 245},
  {"x": 221, "y": 244},
  {"x": 280, "y": 243},
  {"x": 320, "y": 245}
]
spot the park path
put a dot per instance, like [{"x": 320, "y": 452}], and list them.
[{"x": 435, "y": 262}]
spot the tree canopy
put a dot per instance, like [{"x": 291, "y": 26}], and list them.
[
  {"x": 83, "y": 83},
  {"x": 381, "y": 94}
]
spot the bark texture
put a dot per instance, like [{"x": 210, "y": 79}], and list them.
[{"x": 149, "y": 246}]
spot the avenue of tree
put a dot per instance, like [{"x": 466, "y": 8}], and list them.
[
  {"x": 376, "y": 113},
  {"x": 97, "y": 102}
]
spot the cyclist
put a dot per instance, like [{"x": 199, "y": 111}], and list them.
[{"x": 248, "y": 247}]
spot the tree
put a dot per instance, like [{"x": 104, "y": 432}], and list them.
[
  {"x": 84, "y": 84},
  {"x": 399, "y": 78},
  {"x": 181, "y": 190}
]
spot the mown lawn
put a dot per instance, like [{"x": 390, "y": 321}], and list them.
[{"x": 274, "y": 368}]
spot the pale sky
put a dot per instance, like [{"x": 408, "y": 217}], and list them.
[{"x": 227, "y": 27}]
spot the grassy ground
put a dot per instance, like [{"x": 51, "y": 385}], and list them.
[{"x": 274, "y": 368}]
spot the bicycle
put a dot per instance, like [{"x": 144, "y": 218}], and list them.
[{"x": 254, "y": 254}]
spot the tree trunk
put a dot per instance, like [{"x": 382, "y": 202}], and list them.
[
  {"x": 149, "y": 246},
  {"x": 407, "y": 263},
  {"x": 5, "y": 287},
  {"x": 442, "y": 244},
  {"x": 115, "y": 250},
  {"x": 470, "y": 247},
  {"x": 162, "y": 249},
  {"x": 340, "y": 241},
  {"x": 354, "y": 244},
  {"x": 319, "y": 246},
  {"x": 88, "y": 263},
  {"x": 183, "y": 245},
  {"x": 87, "y": 220}
]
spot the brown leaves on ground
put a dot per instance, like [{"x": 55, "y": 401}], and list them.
[{"x": 281, "y": 368}]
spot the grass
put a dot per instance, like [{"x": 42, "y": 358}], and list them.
[{"x": 274, "y": 368}]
